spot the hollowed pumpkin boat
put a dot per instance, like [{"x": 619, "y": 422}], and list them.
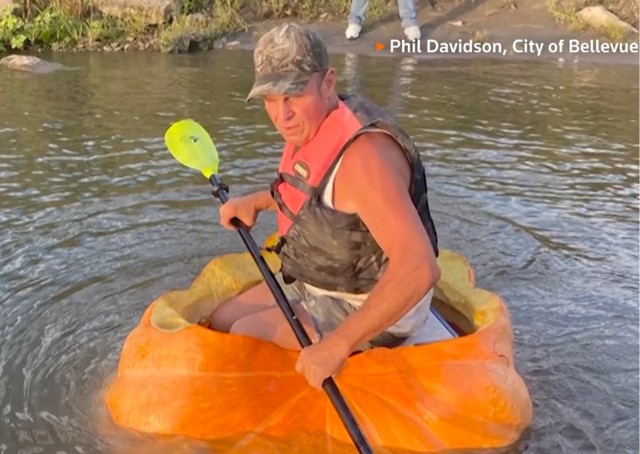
[{"x": 242, "y": 394}]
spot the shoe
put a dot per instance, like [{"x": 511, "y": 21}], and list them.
[
  {"x": 412, "y": 33},
  {"x": 353, "y": 31}
]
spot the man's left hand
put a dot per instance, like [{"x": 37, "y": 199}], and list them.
[{"x": 322, "y": 360}]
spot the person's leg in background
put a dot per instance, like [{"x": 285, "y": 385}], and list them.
[
  {"x": 406, "y": 11},
  {"x": 409, "y": 19},
  {"x": 356, "y": 18}
]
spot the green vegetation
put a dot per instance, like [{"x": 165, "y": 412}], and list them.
[
  {"x": 79, "y": 25},
  {"x": 61, "y": 24},
  {"x": 566, "y": 12}
]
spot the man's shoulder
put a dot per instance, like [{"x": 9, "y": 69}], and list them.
[
  {"x": 380, "y": 127},
  {"x": 360, "y": 103},
  {"x": 369, "y": 112},
  {"x": 370, "y": 147},
  {"x": 376, "y": 139}
]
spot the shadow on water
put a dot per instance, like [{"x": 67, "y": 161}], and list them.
[{"x": 533, "y": 172}]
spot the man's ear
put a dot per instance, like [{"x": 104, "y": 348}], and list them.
[{"x": 329, "y": 81}]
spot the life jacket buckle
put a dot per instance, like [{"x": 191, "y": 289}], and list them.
[{"x": 276, "y": 247}]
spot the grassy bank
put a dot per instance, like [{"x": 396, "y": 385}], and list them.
[
  {"x": 77, "y": 24},
  {"x": 565, "y": 13}
]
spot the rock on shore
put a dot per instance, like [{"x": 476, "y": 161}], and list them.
[
  {"x": 31, "y": 64},
  {"x": 600, "y": 18}
]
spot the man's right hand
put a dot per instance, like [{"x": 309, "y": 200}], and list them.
[{"x": 243, "y": 208}]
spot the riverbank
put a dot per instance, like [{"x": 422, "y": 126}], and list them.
[
  {"x": 450, "y": 28},
  {"x": 482, "y": 28}
]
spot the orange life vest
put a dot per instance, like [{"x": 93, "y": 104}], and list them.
[{"x": 304, "y": 168}]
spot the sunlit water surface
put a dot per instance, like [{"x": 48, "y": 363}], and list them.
[{"x": 533, "y": 173}]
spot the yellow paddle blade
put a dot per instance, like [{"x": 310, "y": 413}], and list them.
[{"x": 192, "y": 146}]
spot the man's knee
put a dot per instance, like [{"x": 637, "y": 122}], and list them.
[
  {"x": 239, "y": 326},
  {"x": 250, "y": 325},
  {"x": 254, "y": 300},
  {"x": 269, "y": 325},
  {"x": 223, "y": 318}
]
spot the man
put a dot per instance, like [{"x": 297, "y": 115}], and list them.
[{"x": 357, "y": 243}]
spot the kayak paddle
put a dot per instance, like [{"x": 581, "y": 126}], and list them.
[{"x": 191, "y": 146}]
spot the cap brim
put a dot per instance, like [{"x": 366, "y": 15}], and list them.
[{"x": 287, "y": 83}]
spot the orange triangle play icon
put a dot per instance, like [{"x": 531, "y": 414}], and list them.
[{"x": 379, "y": 47}]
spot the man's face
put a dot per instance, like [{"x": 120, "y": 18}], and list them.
[{"x": 298, "y": 117}]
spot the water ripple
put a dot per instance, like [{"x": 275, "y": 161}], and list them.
[{"x": 533, "y": 174}]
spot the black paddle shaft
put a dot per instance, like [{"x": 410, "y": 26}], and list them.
[{"x": 220, "y": 191}]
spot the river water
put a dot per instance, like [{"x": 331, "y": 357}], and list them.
[{"x": 533, "y": 170}]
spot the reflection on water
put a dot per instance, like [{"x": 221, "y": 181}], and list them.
[{"x": 533, "y": 171}]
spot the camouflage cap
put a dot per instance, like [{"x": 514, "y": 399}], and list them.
[{"x": 285, "y": 58}]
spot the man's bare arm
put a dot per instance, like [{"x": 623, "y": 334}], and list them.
[
  {"x": 373, "y": 181},
  {"x": 264, "y": 201}
]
